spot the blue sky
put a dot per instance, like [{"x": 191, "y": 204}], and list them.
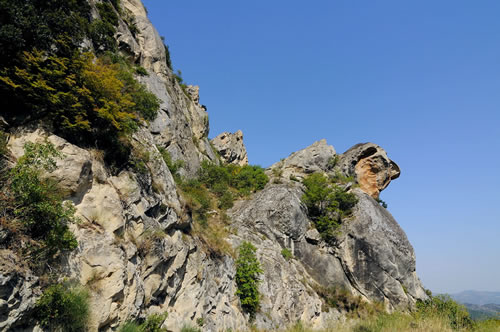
[{"x": 419, "y": 78}]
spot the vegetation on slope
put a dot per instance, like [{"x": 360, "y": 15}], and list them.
[
  {"x": 208, "y": 196},
  {"x": 327, "y": 203},
  {"x": 63, "y": 307},
  {"x": 46, "y": 76},
  {"x": 438, "y": 314},
  {"x": 247, "y": 278},
  {"x": 32, "y": 207}
]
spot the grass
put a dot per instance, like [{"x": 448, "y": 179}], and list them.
[{"x": 438, "y": 314}]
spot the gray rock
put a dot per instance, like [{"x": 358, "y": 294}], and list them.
[
  {"x": 371, "y": 167},
  {"x": 231, "y": 148},
  {"x": 377, "y": 256},
  {"x": 19, "y": 291},
  {"x": 314, "y": 158}
]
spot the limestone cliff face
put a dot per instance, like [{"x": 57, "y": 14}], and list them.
[{"x": 131, "y": 272}]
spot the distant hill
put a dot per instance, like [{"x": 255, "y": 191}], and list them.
[
  {"x": 477, "y": 297},
  {"x": 484, "y": 311}
]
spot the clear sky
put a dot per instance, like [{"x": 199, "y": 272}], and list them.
[{"x": 419, "y": 78}]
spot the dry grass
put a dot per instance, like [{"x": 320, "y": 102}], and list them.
[{"x": 399, "y": 322}]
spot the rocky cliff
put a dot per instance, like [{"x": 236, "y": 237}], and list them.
[{"x": 137, "y": 253}]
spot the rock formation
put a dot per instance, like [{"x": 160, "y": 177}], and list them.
[
  {"x": 137, "y": 255},
  {"x": 314, "y": 158},
  {"x": 370, "y": 165},
  {"x": 231, "y": 148}
]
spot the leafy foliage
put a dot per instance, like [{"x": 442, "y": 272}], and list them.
[
  {"x": 152, "y": 324},
  {"x": 173, "y": 166},
  {"x": 189, "y": 328},
  {"x": 326, "y": 203},
  {"x": 286, "y": 253},
  {"x": 38, "y": 204},
  {"x": 247, "y": 278},
  {"x": 443, "y": 305},
  {"x": 102, "y": 30},
  {"x": 88, "y": 100},
  {"x": 63, "y": 307},
  {"x": 343, "y": 300},
  {"x": 245, "y": 179},
  {"x": 382, "y": 203},
  {"x": 39, "y": 24}
]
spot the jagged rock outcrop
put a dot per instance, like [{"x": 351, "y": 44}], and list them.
[
  {"x": 314, "y": 158},
  {"x": 371, "y": 167},
  {"x": 231, "y": 148},
  {"x": 19, "y": 290},
  {"x": 373, "y": 257},
  {"x": 182, "y": 125}
]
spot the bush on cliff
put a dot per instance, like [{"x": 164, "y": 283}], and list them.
[
  {"x": 88, "y": 100},
  {"x": 247, "y": 278},
  {"x": 37, "y": 205},
  {"x": 63, "y": 307},
  {"x": 326, "y": 203}
]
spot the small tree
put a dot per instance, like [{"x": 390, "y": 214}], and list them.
[
  {"x": 63, "y": 307},
  {"x": 39, "y": 206},
  {"x": 326, "y": 204},
  {"x": 247, "y": 278}
]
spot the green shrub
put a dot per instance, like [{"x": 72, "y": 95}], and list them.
[
  {"x": 326, "y": 203},
  {"x": 249, "y": 179},
  {"x": 173, "y": 166},
  {"x": 382, "y": 203},
  {"x": 63, "y": 307},
  {"x": 88, "y": 101},
  {"x": 38, "y": 203},
  {"x": 130, "y": 327},
  {"x": 141, "y": 71},
  {"x": 333, "y": 161},
  {"x": 189, "y": 328},
  {"x": 286, "y": 253},
  {"x": 247, "y": 278},
  {"x": 152, "y": 324},
  {"x": 340, "y": 178},
  {"x": 197, "y": 198},
  {"x": 246, "y": 179},
  {"x": 226, "y": 201},
  {"x": 443, "y": 305},
  {"x": 102, "y": 31},
  {"x": 167, "y": 56},
  {"x": 56, "y": 25}
]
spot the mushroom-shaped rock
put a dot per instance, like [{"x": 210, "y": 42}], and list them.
[
  {"x": 231, "y": 148},
  {"x": 314, "y": 158},
  {"x": 370, "y": 165}
]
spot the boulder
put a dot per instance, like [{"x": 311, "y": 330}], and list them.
[
  {"x": 231, "y": 148},
  {"x": 315, "y": 158}
]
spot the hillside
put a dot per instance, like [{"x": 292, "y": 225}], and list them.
[{"x": 118, "y": 211}]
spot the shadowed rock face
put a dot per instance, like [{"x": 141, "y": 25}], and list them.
[
  {"x": 371, "y": 167},
  {"x": 231, "y": 148}
]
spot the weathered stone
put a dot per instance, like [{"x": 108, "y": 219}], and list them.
[
  {"x": 74, "y": 170},
  {"x": 231, "y": 148},
  {"x": 370, "y": 165},
  {"x": 377, "y": 256},
  {"x": 19, "y": 291},
  {"x": 315, "y": 158}
]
